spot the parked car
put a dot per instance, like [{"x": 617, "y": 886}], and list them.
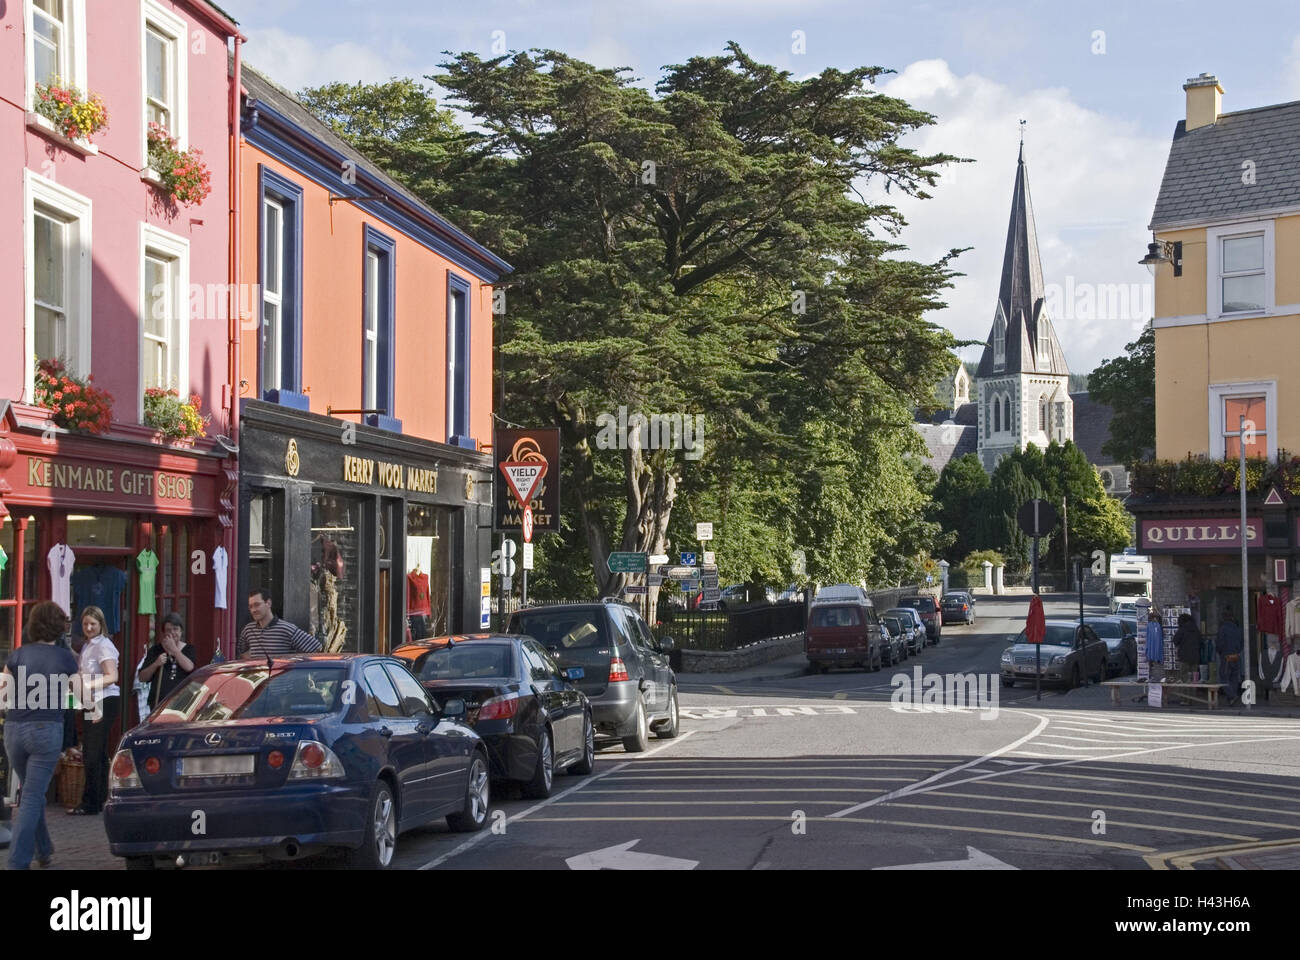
[
  {"x": 913, "y": 617},
  {"x": 290, "y": 756},
  {"x": 791, "y": 593},
  {"x": 928, "y": 606},
  {"x": 626, "y": 675},
  {"x": 1069, "y": 653},
  {"x": 958, "y": 607},
  {"x": 535, "y": 722},
  {"x": 1121, "y": 644},
  {"x": 899, "y": 644},
  {"x": 843, "y": 629}
]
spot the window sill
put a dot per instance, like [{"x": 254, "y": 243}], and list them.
[
  {"x": 150, "y": 175},
  {"x": 465, "y": 443},
  {"x": 383, "y": 422},
  {"x": 45, "y": 126},
  {"x": 287, "y": 398}
]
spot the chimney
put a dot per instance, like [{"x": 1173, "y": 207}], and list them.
[{"x": 1203, "y": 95}]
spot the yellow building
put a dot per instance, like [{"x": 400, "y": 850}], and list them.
[{"x": 1226, "y": 255}]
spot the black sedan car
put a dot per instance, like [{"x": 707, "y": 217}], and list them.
[
  {"x": 958, "y": 607},
  {"x": 1121, "y": 643},
  {"x": 527, "y": 710},
  {"x": 291, "y": 756}
]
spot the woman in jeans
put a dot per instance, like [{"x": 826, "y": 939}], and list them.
[
  {"x": 99, "y": 673},
  {"x": 39, "y": 673}
]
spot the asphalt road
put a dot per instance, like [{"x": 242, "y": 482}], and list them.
[{"x": 825, "y": 771}]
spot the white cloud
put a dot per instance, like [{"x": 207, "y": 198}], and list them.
[
  {"x": 1093, "y": 181},
  {"x": 294, "y": 61}
]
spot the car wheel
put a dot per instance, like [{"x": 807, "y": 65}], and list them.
[
  {"x": 588, "y": 761},
  {"x": 140, "y": 863},
  {"x": 668, "y": 730},
  {"x": 380, "y": 841},
  {"x": 474, "y": 813},
  {"x": 539, "y": 788},
  {"x": 1101, "y": 671},
  {"x": 1074, "y": 678},
  {"x": 640, "y": 740}
]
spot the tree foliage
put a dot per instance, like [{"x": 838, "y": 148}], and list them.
[{"x": 1127, "y": 384}]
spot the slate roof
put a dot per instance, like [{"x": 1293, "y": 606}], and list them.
[
  {"x": 946, "y": 441},
  {"x": 1021, "y": 296},
  {"x": 1091, "y": 428},
  {"x": 1203, "y": 174}
]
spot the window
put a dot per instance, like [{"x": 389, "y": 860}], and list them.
[
  {"x": 997, "y": 415},
  {"x": 1257, "y": 402},
  {"x": 458, "y": 355},
  {"x": 1006, "y": 413},
  {"x": 280, "y": 344},
  {"x": 538, "y": 671},
  {"x": 1044, "y": 343},
  {"x": 1042, "y": 414},
  {"x": 164, "y": 311},
  {"x": 381, "y": 698},
  {"x": 999, "y": 339},
  {"x": 1240, "y": 270},
  {"x": 378, "y": 317},
  {"x": 163, "y": 74},
  {"x": 57, "y": 276},
  {"x": 413, "y": 697},
  {"x": 57, "y": 30}
]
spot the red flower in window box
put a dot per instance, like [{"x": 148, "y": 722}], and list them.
[{"x": 75, "y": 405}]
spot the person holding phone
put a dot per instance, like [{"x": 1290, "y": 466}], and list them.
[{"x": 169, "y": 661}]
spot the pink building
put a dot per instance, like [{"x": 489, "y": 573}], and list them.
[{"x": 113, "y": 268}]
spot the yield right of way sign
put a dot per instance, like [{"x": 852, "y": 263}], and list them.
[{"x": 523, "y": 478}]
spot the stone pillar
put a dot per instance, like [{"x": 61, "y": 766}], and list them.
[
  {"x": 998, "y": 586},
  {"x": 988, "y": 576},
  {"x": 943, "y": 567}
]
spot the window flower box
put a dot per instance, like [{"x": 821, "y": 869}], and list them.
[
  {"x": 76, "y": 404},
  {"x": 46, "y": 127},
  {"x": 176, "y": 421},
  {"x": 181, "y": 174},
  {"x": 64, "y": 114}
]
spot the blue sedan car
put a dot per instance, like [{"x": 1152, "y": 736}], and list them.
[{"x": 283, "y": 758}]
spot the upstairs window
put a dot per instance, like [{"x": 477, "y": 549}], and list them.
[
  {"x": 58, "y": 277},
  {"x": 1256, "y": 401},
  {"x": 1240, "y": 274},
  {"x": 163, "y": 68},
  {"x": 377, "y": 329},
  {"x": 164, "y": 312},
  {"x": 273, "y": 272},
  {"x": 280, "y": 241},
  {"x": 997, "y": 415},
  {"x": 1044, "y": 344},
  {"x": 56, "y": 53},
  {"x": 458, "y": 358},
  {"x": 999, "y": 341}
]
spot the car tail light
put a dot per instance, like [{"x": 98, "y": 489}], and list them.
[
  {"x": 617, "y": 671},
  {"x": 315, "y": 761},
  {"x": 275, "y": 759},
  {"x": 122, "y": 776},
  {"x": 152, "y": 765},
  {"x": 499, "y": 708}
]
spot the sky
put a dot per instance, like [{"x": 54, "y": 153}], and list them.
[{"x": 1099, "y": 86}]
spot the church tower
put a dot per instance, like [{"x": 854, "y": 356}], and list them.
[{"x": 1022, "y": 384}]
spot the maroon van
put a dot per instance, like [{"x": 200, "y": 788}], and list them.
[{"x": 843, "y": 632}]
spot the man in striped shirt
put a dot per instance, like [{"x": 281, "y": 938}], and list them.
[{"x": 268, "y": 635}]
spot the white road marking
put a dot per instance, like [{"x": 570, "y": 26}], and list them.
[
  {"x": 975, "y": 860},
  {"x": 623, "y": 857},
  {"x": 487, "y": 831}
]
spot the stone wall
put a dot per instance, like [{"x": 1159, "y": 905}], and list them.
[
  {"x": 1168, "y": 582},
  {"x": 725, "y": 661}
]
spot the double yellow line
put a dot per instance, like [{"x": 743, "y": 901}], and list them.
[{"x": 1186, "y": 859}]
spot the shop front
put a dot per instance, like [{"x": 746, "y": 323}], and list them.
[
  {"x": 131, "y": 526},
  {"x": 363, "y": 537},
  {"x": 1196, "y": 569}
]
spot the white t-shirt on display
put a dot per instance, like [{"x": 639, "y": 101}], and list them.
[
  {"x": 93, "y": 657},
  {"x": 60, "y": 560},
  {"x": 221, "y": 570}
]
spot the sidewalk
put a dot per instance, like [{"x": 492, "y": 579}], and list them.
[{"x": 79, "y": 842}]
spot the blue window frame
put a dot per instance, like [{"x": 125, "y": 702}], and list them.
[
  {"x": 379, "y": 279},
  {"x": 458, "y": 356},
  {"x": 279, "y": 277}
]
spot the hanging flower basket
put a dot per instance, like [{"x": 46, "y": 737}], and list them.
[
  {"x": 77, "y": 404},
  {"x": 75, "y": 116},
  {"x": 174, "y": 419},
  {"x": 181, "y": 174}
]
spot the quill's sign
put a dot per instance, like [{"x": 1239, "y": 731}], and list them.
[
  {"x": 1199, "y": 533},
  {"x": 529, "y": 458}
]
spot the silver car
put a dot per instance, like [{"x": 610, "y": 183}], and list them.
[
  {"x": 911, "y": 619},
  {"x": 1069, "y": 652}
]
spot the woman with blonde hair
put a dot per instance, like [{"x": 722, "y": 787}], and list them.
[{"x": 102, "y": 700}]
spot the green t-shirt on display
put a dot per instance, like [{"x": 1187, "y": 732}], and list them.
[
  {"x": 4, "y": 558},
  {"x": 147, "y": 563}
]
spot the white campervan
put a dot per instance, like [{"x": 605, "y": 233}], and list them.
[{"x": 1130, "y": 580}]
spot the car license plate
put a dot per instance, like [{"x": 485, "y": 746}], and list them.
[
  {"x": 225, "y": 766},
  {"x": 838, "y": 650},
  {"x": 1026, "y": 668},
  {"x": 204, "y": 859}
]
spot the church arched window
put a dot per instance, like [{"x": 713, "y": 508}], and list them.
[
  {"x": 999, "y": 340},
  {"x": 997, "y": 415}
]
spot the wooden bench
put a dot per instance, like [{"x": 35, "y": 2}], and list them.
[{"x": 1209, "y": 692}]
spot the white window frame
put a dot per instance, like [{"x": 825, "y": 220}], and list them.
[
  {"x": 370, "y": 330},
  {"x": 1219, "y": 392},
  {"x": 37, "y": 190},
  {"x": 74, "y": 40},
  {"x": 176, "y": 29},
  {"x": 172, "y": 247},
  {"x": 1214, "y": 237},
  {"x": 276, "y": 380}
]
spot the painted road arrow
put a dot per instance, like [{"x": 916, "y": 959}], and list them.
[
  {"x": 623, "y": 857},
  {"x": 975, "y": 860}
]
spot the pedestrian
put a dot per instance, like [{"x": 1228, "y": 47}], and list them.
[
  {"x": 40, "y": 673},
  {"x": 1228, "y": 645},
  {"x": 1187, "y": 642},
  {"x": 168, "y": 662},
  {"x": 268, "y": 635},
  {"x": 1155, "y": 646},
  {"x": 102, "y": 701}
]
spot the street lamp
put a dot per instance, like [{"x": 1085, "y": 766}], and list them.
[{"x": 1164, "y": 251}]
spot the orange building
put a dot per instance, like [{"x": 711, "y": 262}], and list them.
[{"x": 366, "y": 390}]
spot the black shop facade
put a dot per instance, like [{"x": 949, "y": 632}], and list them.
[{"x": 363, "y": 537}]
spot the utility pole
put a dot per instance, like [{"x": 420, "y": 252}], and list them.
[{"x": 1245, "y": 582}]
